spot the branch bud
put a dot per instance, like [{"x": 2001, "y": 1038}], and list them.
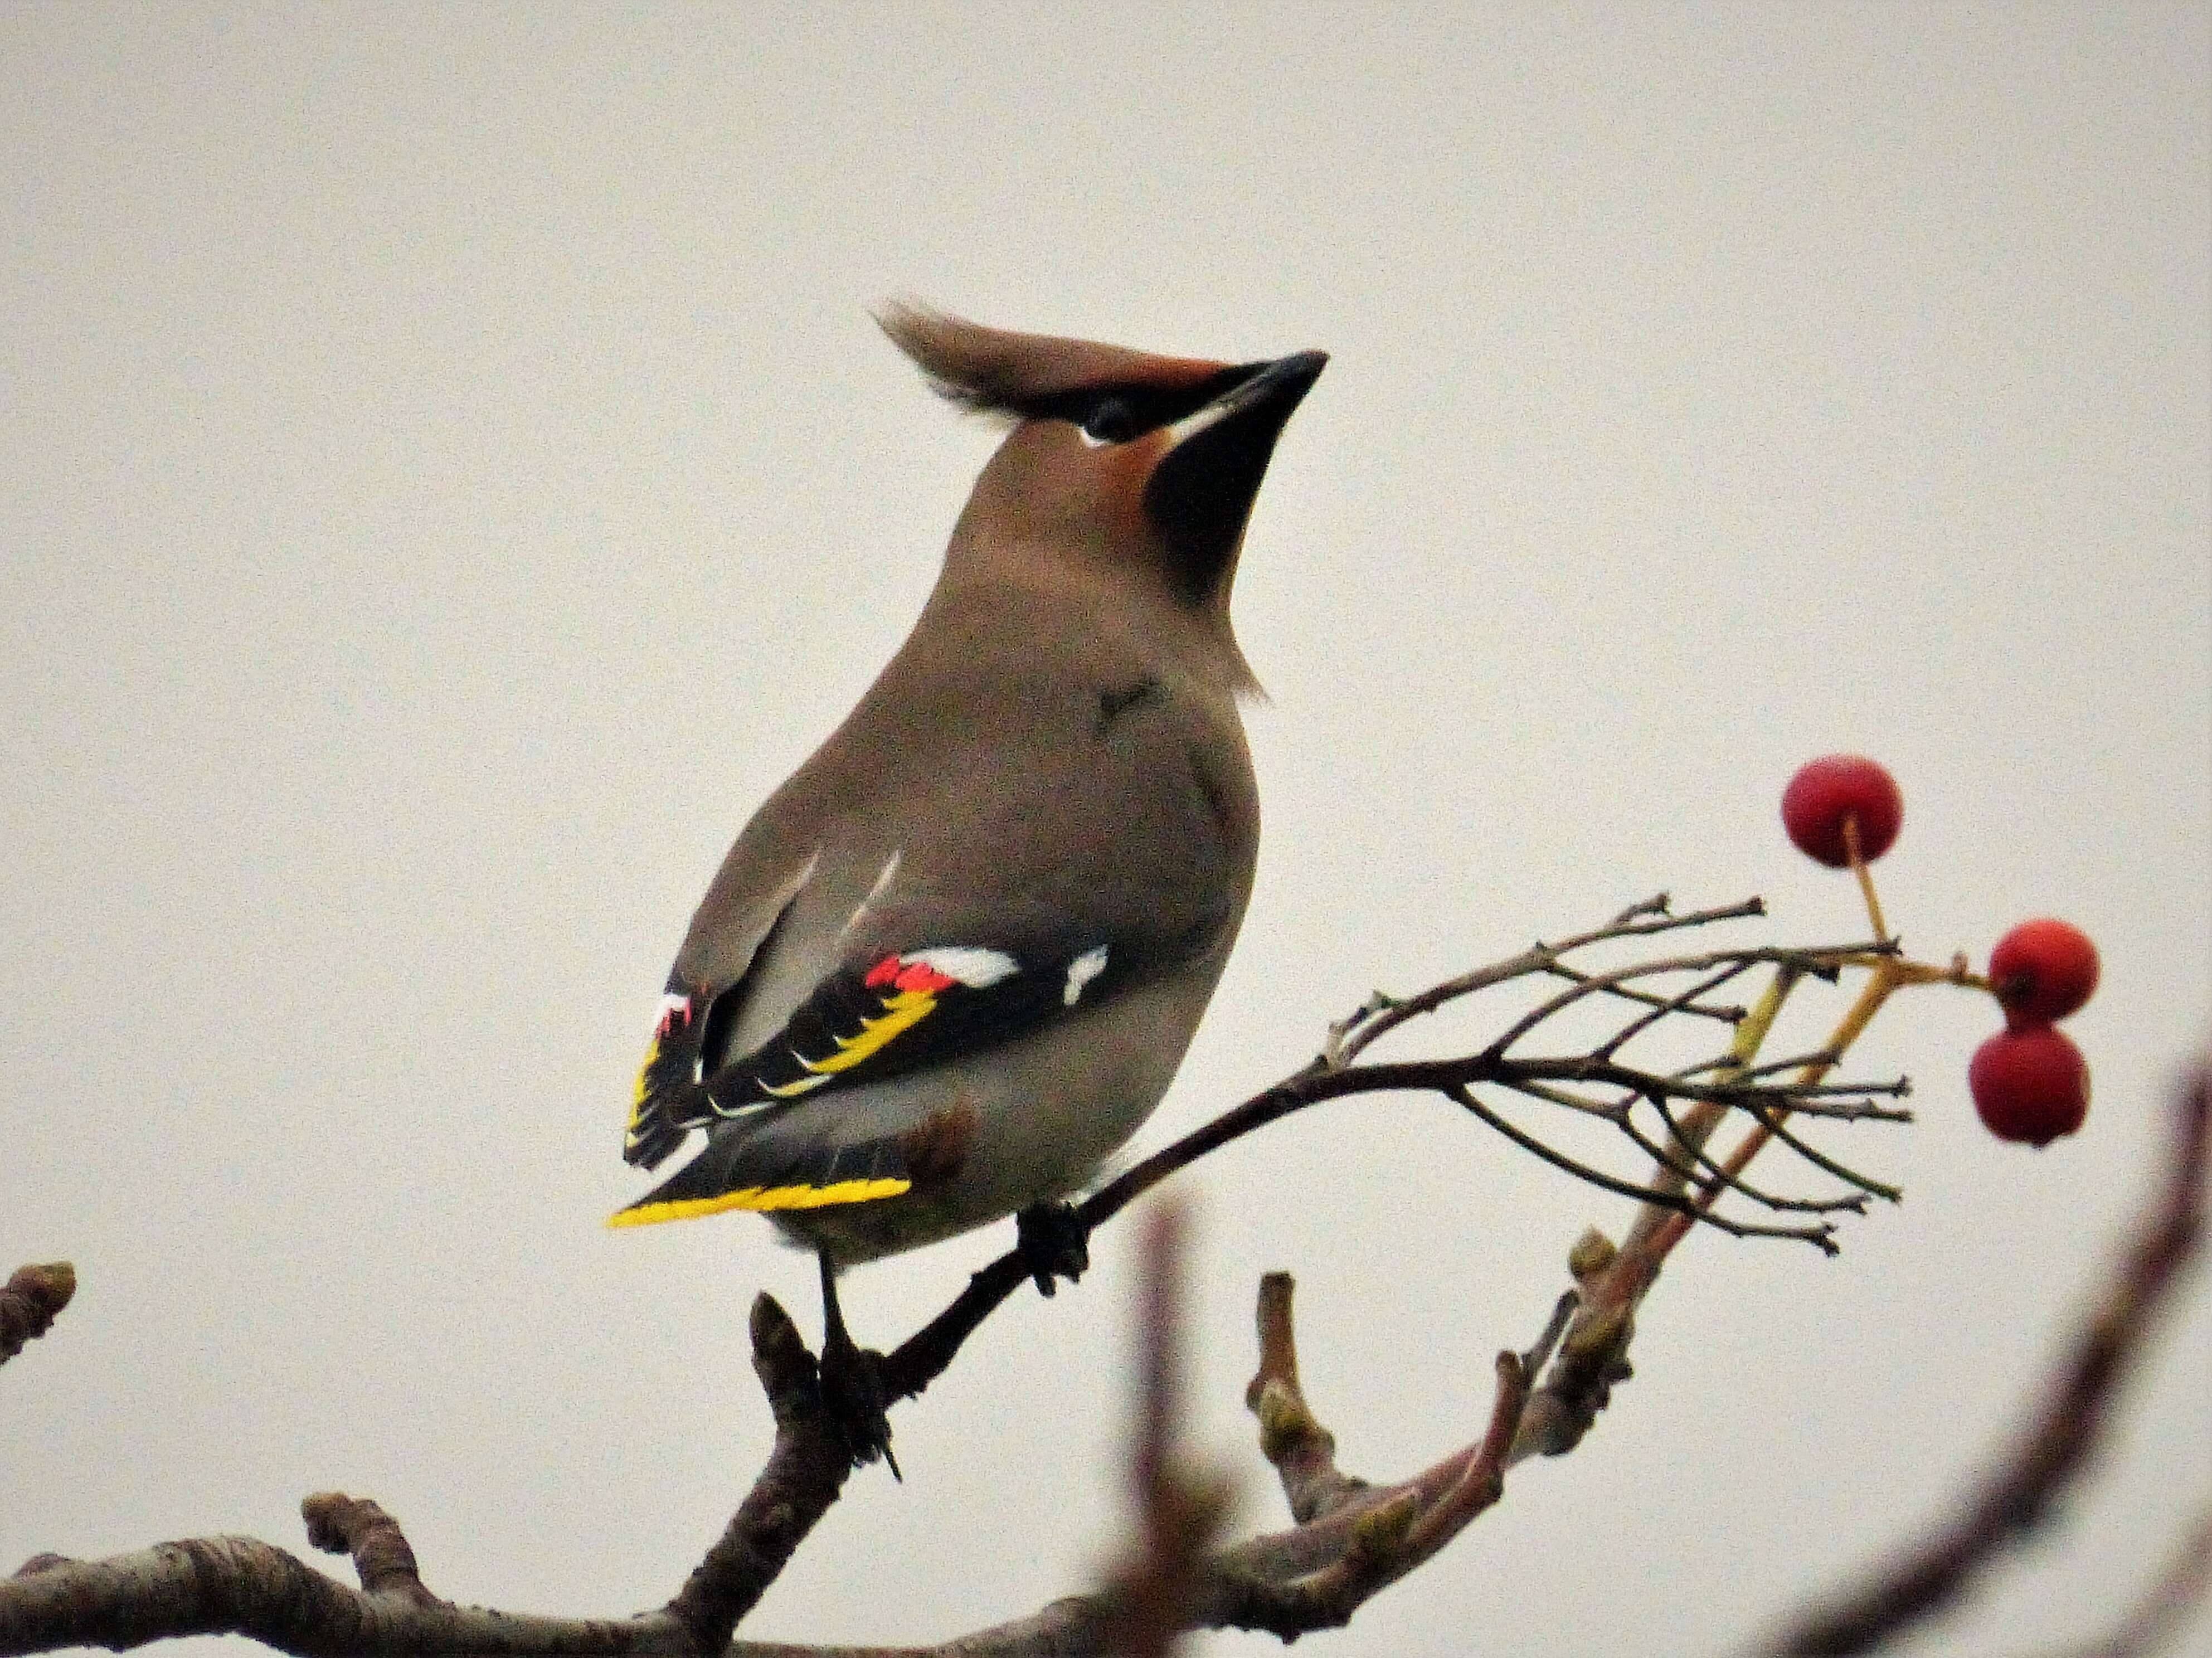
[{"x": 1593, "y": 1252}]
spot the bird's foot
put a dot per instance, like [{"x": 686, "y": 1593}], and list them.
[
  {"x": 1053, "y": 1244},
  {"x": 853, "y": 1398},
  {"x": 852, "y": 1383}
]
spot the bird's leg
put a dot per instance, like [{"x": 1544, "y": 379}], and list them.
[
  {"x": 852, "y": 1383},
  {"x": 1053, "y": 1244}
]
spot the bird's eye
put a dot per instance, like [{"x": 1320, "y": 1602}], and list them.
[{"x": 1111, "y": 421}]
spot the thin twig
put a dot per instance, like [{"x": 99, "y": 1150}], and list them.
[
  {"x": 1629, "y": 993},
  {"x": 1771, "y": 1120},
  {"x": 1820, "y": 1237},
  {"x": 1851, "y": 1202},
  {"x": 1806, "y": 960},
  {"x": 1660, "y": 1008},
  {"x": 1639, "y": 920}
]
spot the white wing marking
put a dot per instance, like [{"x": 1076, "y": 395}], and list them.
[
  {"x": 969, "y": 964},
  {"x": 1081, "y": 971}
]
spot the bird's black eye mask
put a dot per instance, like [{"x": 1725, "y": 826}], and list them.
[{"x": 1115, "y": 413}]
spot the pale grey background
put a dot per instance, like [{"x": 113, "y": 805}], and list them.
[{"x": 447, "y": 476}]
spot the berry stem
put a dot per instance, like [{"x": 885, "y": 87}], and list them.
[
  {"x": 1751, "y": 1032},
  {"x": 1865, "y": 877}
]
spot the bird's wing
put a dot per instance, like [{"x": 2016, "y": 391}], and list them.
[
  {"x": 670, "y": 1082},
  {"x": 904, "y": 1012},
  {"x": 875, "y": 1015}
]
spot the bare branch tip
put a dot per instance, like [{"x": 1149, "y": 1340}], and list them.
[
  {"x": 29, "y": 1301},
  {"x": 1547, "y": 1341},
  {"x": 1273, "y": 1312},
  {"x": 771, "y": 1328},
  {"x": 324, "y": 1515},
  {"x": 1279, "y": 1349},
  {"x": 1657, "y": 905},
  {"x": 53, "y": 1283}
]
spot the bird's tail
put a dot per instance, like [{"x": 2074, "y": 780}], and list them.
[{"x": 767, "y": 1171}]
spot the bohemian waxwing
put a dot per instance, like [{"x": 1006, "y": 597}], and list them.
[{"x": 954, "y": 963}]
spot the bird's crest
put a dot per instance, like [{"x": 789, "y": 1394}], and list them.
[{"x": 1040, "y": 377}]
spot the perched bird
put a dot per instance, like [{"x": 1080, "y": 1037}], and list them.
[{"x": 954, "y": 962}]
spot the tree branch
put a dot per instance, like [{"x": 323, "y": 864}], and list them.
[
  {"x": 1350, "y": 1539},
  {"x": 29, "y": 1303},
  {"x": 806, "y": 1469},
  {"x": 239, "y": 1586},
  {"x": 234, "y": 1585},
  {"x": 925, "y": 1356}
]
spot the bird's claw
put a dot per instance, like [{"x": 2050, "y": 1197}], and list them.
[
  {"x": 1053, "y": 1244},
  {"x": 853, "y": 1397}
]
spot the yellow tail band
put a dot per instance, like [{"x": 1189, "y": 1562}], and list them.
[{"x": 761, "y": 1198}]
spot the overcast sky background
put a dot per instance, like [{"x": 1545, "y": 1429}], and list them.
[{"x": 448, "y": 476}]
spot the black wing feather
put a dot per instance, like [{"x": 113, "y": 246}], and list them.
[{"x": 900, "y": 1015}]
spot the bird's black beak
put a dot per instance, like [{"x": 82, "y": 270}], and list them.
[{"x": 1200, "y": 493}]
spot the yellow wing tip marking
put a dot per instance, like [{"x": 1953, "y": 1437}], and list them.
[
  {"x": 641, "y": 1092},
  {"x": 761, "y": 1198},
  {"x": 902, "y": 1013}
]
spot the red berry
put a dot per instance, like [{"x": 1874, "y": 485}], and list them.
[
  {"x": 2043, "y": 970},
  {"x": 1825, "y": 792},
  {"x": 2030, "y": 1083}
]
